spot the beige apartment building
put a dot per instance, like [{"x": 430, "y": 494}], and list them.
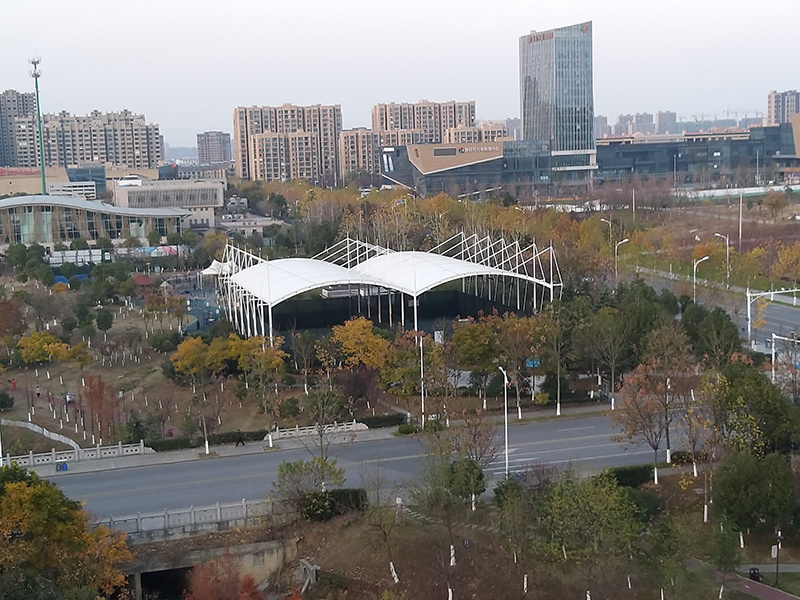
[
  {"x": 121, "y": 138},
  {"x": 13, "y": 104},
  {"x": 423, "y": 122},
  {"x": 486, "y": 131},
  {"x": 359, "y": 152},
  {"x": 781, "y": 106},
  {"x": 288, "y": 142}
]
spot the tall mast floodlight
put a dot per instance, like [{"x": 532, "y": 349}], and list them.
[{"x": 36, "y": 73}]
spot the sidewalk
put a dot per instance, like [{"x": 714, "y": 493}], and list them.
[{"x": 293, "y": 443}]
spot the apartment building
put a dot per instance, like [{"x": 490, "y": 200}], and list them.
[
  {"x": 120, "y": 138},
  {"x": 13, "y": 104},
  {"x": 424, "y": 122},
  {"x": 781, "y": 106},
  {"x": 288, "y": 142},
  {"x": 359, "y": 153},
  {"x": 213, "y": 147}
]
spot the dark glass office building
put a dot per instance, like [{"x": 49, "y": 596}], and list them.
[{"x": 557, "y": 98}]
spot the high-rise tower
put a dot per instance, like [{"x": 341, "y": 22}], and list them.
[{"x": 557, "y": 97}]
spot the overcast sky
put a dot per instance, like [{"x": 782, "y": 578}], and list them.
[{"x": 186, "y": 65}]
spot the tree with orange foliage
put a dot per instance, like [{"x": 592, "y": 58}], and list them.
[{"x": 221, "y": 579}]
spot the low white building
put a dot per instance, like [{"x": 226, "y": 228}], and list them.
[{"x": 200, "y": 197}]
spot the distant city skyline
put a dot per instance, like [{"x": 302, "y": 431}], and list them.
[{"x": 692, "y": 58}]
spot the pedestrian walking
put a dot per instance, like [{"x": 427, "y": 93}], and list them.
[
  {"x": 239, "y": 438},
  {"x": 38, "y": 392}
]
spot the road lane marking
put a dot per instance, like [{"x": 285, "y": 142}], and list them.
[{"x": 578, "y": 428}]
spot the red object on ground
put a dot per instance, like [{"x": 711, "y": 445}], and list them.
[{"x": 13, "y": 383}]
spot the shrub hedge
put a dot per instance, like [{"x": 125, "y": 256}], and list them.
[
  {"x": 323, "y": 506},
  {"x": 215, "y": 439},
  {"x": 391, "y": 420},
  {"x": 632, "y": 476},
  {"x": 407, "y": 428}
]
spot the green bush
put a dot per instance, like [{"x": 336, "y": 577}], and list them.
[
  {"x": 510, "y": 487},
  {"x": 165, "y": 341},
  {"x": 175, "y": 443},
  {"x": 647, "y": 501},
  {"x": 6, "y": 401},
  {"x": 289, "y": 408},
  {"x": 391, "y": 420},
  {"x": 682, "y": 457},
  {"x": 632, "y": 476},
  {"x": 433, "y": 425},
  {"x": 230, "y": 437},
  {"x": 407, "y": 428},
  {"x": 323, "y": 506},
  {"x": 288, "y": 380}
]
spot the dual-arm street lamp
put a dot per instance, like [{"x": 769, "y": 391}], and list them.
[
  {"x": 616, "y": 261},
  {"x": 727, "y": 255},
  {"x": 694, "y": 277},
  {"x": 505, "y": 410}
]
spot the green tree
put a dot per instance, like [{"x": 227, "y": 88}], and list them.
[
  {"x": 174, "y": 238},
  {"x": 105, "y": 319},
  {"x": 749, "y": 490},
  {"x": 79, "y": 244},
  {"x": 609, "y": 333},
  {"x": 67, "y": 269},
  {"x": 103, "y": 243},
  {"x": 154, "y": 238}
]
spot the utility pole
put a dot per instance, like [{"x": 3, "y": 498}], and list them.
[{"x": 36, "y": 73}]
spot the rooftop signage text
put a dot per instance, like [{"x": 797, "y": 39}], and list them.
[{"x": 463, "y": 150}]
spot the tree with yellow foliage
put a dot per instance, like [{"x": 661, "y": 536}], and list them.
[
  {"x": 48, "y": 549},
  {"x": 360, "y": 344}
]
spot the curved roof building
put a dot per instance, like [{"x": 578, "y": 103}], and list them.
[{"x": 50, "y": 219}]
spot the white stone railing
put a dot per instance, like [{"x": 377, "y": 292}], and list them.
[
  {"x": 62, "y": 457},
  {"x": 314, "y": 430}
]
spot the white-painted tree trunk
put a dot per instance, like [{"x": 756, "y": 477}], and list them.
[{"x": 655, "y": 475}]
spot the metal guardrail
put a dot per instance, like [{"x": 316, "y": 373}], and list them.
[
  {"x": 194, "y": 515},
  {"x": 61, "y": 458}
]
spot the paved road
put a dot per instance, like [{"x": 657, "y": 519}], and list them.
[
  {"x": 780, "y": 318},
  {"x": 586, "y": 443}
]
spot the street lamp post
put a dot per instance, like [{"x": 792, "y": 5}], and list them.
[
  {"x": 616, "y": 260},
  {"x": 610, "y": 227},
  {"x": 694, "y": 277},
  {"x": 505, "y": 410},
  {"x": 727, "y": 256}
]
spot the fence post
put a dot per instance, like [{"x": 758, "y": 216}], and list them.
[
  {"x": 244, "y": 510},
  {"x": 53, "y": 455},
  {"x": 139, "y": 522},
  {"x": 119, "y": 448},
  {"x": 77, "y": 454},
  {"x": 191, "y": 514},
  {"x": 98, "y": 450},
  {"x": 219, "y": 513},
  {"x": 141, "y": 446},
  {"x": 166, "y": 519},
  {"x": 30, "y": 458}
]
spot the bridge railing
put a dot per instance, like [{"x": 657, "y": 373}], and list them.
[
  {"x": 76, "y": 455},
  {"x": 195, "y": 520},
  {"x": 314, "y": 430}
]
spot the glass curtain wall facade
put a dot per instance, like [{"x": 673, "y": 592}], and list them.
[{"x": 557, "y": 96}]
